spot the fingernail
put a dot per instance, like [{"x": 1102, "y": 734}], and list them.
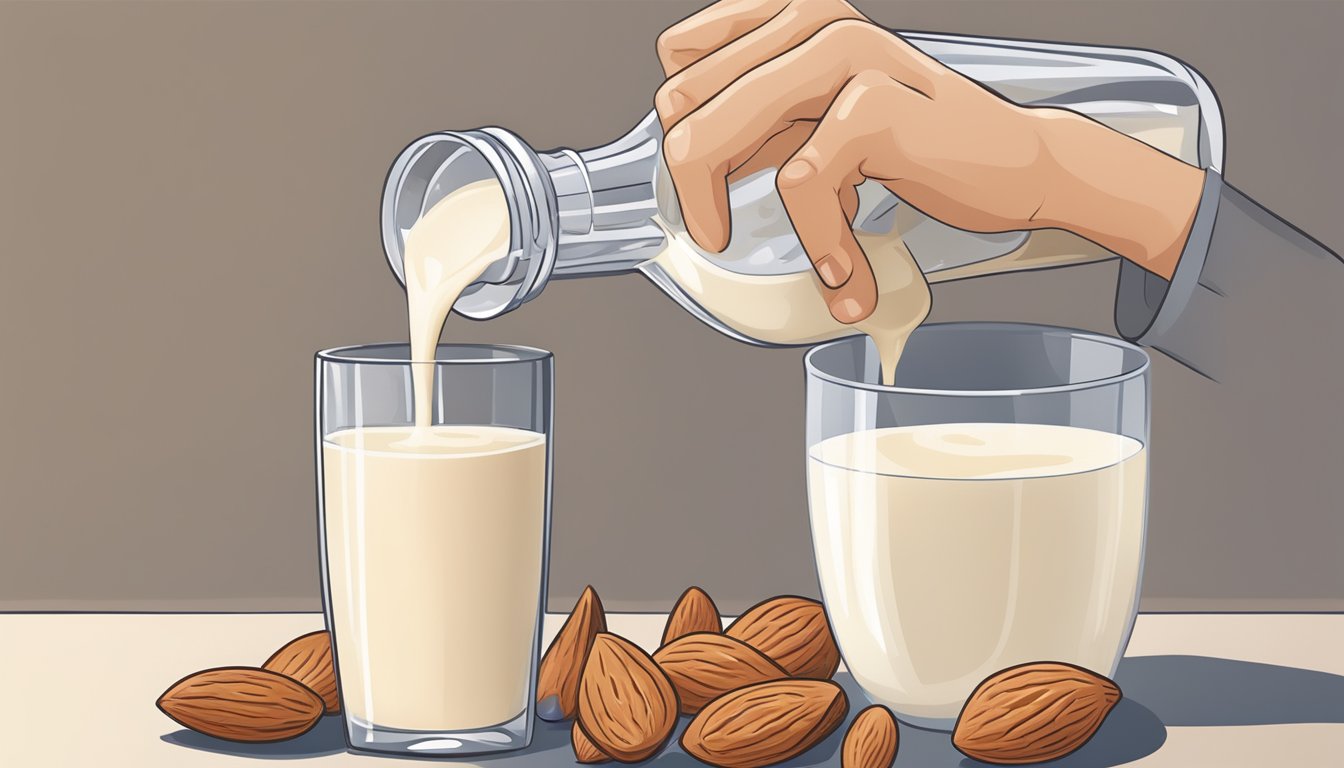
[
  {"x": 828, "y": 267},
  {"x": 797, "y": 171},
  {"x": 848, "y": 311}
]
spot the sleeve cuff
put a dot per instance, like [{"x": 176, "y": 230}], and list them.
[{"x": 1145, "y": 304}]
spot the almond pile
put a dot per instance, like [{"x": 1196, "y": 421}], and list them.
[
  {"x": 283, "y": 698},
  {"x": 759, "y": 691}
]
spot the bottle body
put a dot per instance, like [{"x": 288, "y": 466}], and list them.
[{"x": 611, "y": 209}]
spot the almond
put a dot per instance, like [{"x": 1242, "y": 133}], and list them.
[
  {"x": 794, "y": 632},
  {"x": 242, "y": 704},
  {"x": 585, "y": 751},
  {"x": 765, "y": 723},
  {"x": 627, "y": 706},
  {"x": 307, "y": 658},
  {"x": 694, "y": 612},
  {"x": 562, "y": 665},
  {"x": 871, "y": 741},
  {"x": 704, "y": 666},
  {"x": 1033, "y": 712}
]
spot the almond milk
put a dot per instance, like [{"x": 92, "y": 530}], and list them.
[
  {"x": 790, "y": 308},
  {"x": 434, "y": 552},
  {"x": 949, "y": 552}
]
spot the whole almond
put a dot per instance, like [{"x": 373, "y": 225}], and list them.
[
  {"x": 1033, "y": 712},
  {"x": 585, "y": 751},
  {"x": 871, "y": 741},
  {"x": 694, "y": 612},
  {"x": 242, "y": 704},
  {"x": 704, "y": 666},
  {"x": 562, "y": 665},
  {"x": 794, "y": 632},
  {"x": 627, "y": 706},
  {"x": 765, "y": 723},
  {"x": 307, "y": 658}
]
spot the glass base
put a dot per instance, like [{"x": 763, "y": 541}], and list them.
[
  {"x": 377, "y": 739},
  {"x": 944, "y": 724}
]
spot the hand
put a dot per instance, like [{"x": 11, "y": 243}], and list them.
[{"x": 814, "y": 89}]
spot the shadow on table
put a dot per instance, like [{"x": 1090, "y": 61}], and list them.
[
  {"x": 324, "y": 739},
  {"x": 1199, "y": 690},
  {"x": 1131, "y": 732}
]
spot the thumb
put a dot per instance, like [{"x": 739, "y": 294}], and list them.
[{"x": 816, "y": 186}]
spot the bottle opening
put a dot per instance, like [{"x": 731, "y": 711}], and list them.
[{"x": 435, "y": 166}]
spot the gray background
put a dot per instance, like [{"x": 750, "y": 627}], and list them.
[{"x": 188, "y": 198}]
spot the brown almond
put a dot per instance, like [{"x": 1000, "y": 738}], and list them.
[
  {"x": 242, "y": 704},
  {"x": 627, "y": 706},
  {"x": 704, "y": 666},
  {"x": 562, "y": 665},
  {"x": 1033, "y": 712},
  {"x": 794, "y": 632},
  {"x": 694, "y": 612},
  {"x": 765, "y": 723},
  {"x": 307, "y": 658},
  {"x": 871, "y": 741},
  {"x": 585, "y": 751}
]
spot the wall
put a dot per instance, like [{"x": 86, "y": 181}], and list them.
[{"x": 188, "y": 204}]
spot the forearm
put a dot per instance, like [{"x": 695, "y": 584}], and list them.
[{"x": 1116, "y": 191}]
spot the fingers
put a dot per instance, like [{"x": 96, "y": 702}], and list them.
[
  {"x": 705, "y": 147},
  {"x": 706, "y": 31},
  {"x": 817, "y": 186},
  {"x": 698, "y": 82}
]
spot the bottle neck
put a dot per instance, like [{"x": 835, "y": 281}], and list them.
[{"x": 603, "y": 202}]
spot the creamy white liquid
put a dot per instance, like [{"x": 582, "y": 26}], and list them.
[
  {"x": 949, "y": 552},
  {"x": 434, "y": 552},
  {"x": 447, "y": 249},
  {"x": 791, "y": 308}
]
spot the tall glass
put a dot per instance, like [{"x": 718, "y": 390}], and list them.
[
  {"x": 434, "y": 543},
  {"x": 987, "y": 511}
]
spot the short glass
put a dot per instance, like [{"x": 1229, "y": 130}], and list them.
[
  {"x": 434, "y": 543},
  {"x": 988, "y": 511}
]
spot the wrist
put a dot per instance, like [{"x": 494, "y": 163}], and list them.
[{"x": 1116, "y": 191}]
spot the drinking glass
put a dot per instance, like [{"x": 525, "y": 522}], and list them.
[
  {"x": 989, "y": 510},
  {"x": 434, "y": 543}
]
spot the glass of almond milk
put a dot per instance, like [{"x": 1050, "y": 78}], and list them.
[
  {"x": 985, "y": 511},
  {"x": 434, "y": 538}
]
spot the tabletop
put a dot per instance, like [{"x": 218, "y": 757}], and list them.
[{"x": 1199, "y": 690}]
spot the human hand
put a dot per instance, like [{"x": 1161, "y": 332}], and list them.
[{"x": 814, "y": 89}]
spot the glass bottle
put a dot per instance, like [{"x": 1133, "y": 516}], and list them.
[{"x": 611, "y": 209}]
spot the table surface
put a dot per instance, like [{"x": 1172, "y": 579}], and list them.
[{"x": 1200, "y": 690}]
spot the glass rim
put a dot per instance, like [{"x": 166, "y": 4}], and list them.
[
  {"x": 813, "y": 370},
  {"x": 350, "y": 354}
]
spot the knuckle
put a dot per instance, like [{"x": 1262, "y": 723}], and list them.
[
  {"x": 846, "y": 34},
  {"x": 821, "y": 10},
  {"x": 799, "y": 171},
  {"x": 663, "y": 100},
  {"x": 859, "y": 100},
  {"x": 670, "y": 46},
  {"x": 678, "y": 148},
  {"x": 665, "y": 42}
]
